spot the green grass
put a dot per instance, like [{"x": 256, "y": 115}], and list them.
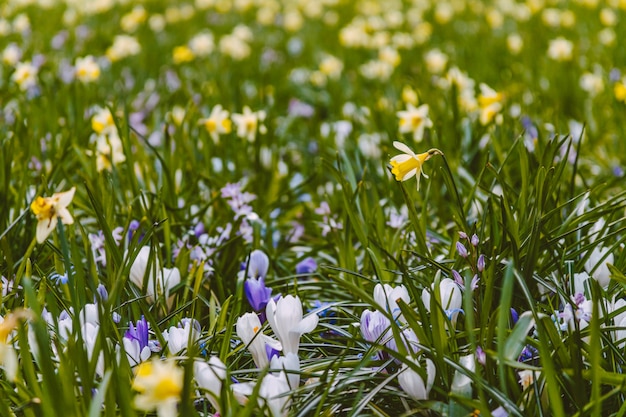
[{"x": 540, "y": 185}]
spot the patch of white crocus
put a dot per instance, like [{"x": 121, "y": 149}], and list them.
[{"x": 160, "y": 281}]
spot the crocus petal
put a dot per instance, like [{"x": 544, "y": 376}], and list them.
[{"x": 308, "y": 324}]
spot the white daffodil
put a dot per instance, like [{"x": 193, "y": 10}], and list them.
[
  {"x": 414, "y": 120},
  {"x": 217, "y": 123},
  {"x": 49, "y": 210},
  {"x": 248, "y": 123},
  {"x": 285, "y": 318},
  {"x": 159, "y": 385}
]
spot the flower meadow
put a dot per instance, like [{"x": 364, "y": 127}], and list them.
[{"x": 312, "y": 208}]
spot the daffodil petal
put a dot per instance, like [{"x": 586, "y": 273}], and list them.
[{"x": 402, "y": 147}]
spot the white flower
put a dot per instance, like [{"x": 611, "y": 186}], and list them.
[
  {"x": 217, "y": 123},
  {"x": 248, "y": 122},
  {"x": 210, "y": 377},
  {"x": 159, "y": 385},
  {"x": 248, "y": 330},
  {"x": 451, "y": 297},
  {"x": 461, "y": 383},
  {"x": 134, "y": 353},
  {"x": 25, "y": 75},
  {"x": 387, "y": 298},
  {"x": 414, "y": 120},
  {"x": 49, "y": 210},
  {"x": 597, "y": 265},
  {"x": 178, "y": 338},
  {"x": 412, "y": 383},
  {"x": 87, "y": 69},
  {"x": 290, "y": 363},
  {"x": 285, "y": 318},
  {"x": 163, "y": 278},
  {"x": 560, "y": 49}
]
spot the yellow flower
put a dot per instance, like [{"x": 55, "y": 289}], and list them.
[
  {"x": 490, "y": 103},
  {"x": 405, "y": 166},
  {"x": 49, "y": 209},
  {"x": 619, "y": 89},
  {"x": 159, "y": 384},
  {"x": 182, "y": 54}
]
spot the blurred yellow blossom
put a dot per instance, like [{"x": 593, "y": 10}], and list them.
[
  {"x": 25, "y": 75},
  {"x": 8, "y": 356},
  {"x": 331, "y": 66},
  {"x": 131, "y": 20},
  {"x": 202, "y": 44},
  {"x": 436, "y": 61},
  {"x": 182, "y": 54},
  {"x": 49, "y": 210},
  {"x": 619, "y": 89},
  {"x": 409, "y": 95},
  {"x": 11, "y": 55},
  {"x": 248, "y": 123},
  {"x": 102, "y": 121},
  {"x": 123, "y": 46},
  {"x": 159, "y": 385},
  {"x": 561, "y": 49},
  {"x": 408, "y": 164},
  {"x": 490, "y": 103},
  {"x": 109, "y": 152},
  {"x": 414, "y": 120},
  {"x": 217, "y": 123},
  {"x": 87, "y": 69}
]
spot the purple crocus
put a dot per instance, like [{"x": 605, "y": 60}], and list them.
[
  {"x": 258, "y": 294},
  {"x": 138, "y": 332},
  {"x": 306, "y": 266},
  {"x": 136, "y": 344}
]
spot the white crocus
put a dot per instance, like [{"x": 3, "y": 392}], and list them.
[
  {"x": 411, "y": 381},
  {"x": 451, "y": 297},
  {"x": 387, "y": 298},
  {"x": 290, "y": 363},
  {"x": 164, "y": 278},
  {"x": 461, "y": 383},
  {"x": 210, "y": 377},
  {"x": 597, "y": 265},
  {"x": 248, "y": 330},
  {"x": 178, "y": 338},
  {"x": 134, "y": 352},
  {"x": 285, "y": 318},
  {"x": 272, "y": 391}
]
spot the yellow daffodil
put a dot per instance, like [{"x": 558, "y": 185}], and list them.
[
  {"x": 49, "y": 209},
  {"x": 8, "y": 357},
  {"x": 159, "y": 385},
  {"x": 490, "y": 103},
  {"x": 408, "y": 164}
]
